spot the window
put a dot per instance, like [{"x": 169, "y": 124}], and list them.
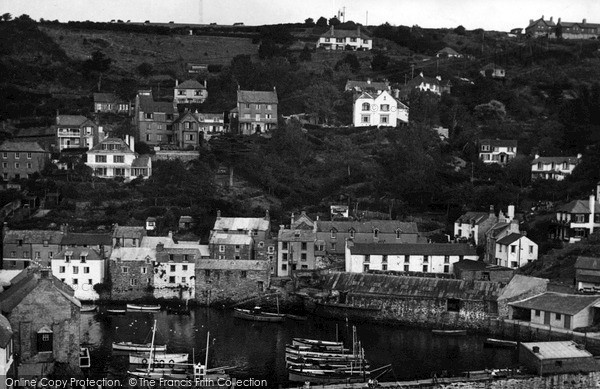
[
  {"x": 406, "y": 268},
  {"x": 257, "y": 106},
  {"x": 133, "y": 282},
  {"x": 425, "y": 258},
  {"x": 173, "y": 268},
  {"x": 124, "y": 269},
  {"x": 38, "y": 254},
  {"x": 499, "y": 248},
  {"x": 425, "y": 268},
  {"x": 446, "y": 269},
  {"x": 4, "y": 155},
  {"x": 86, "y": 270},
  {"x": 75, "y": 269},
  {"x": 171, "y": 279},
  {"x": 530, "y": 249},
  {"x": 147, "y": 137},
  {"x": 100, "y": 158},
  {"x": 537, "y": 313},
  {"x": 384, "y": 259},
  {"x": 26, "y": 254},
  {"x": 237, "y": 248},
  {"x": 28, "y": 155},
  {"x": 17, "y": 155},
  {"x": 303, "y": 246},
  {"x": 17, "y": 165},
  {"x": 351, "y": 233},
  {"x": 407, "y": 258},
  {"x": 44, "y": 339},
  {"x": 514, "y": 264},
  {"x": 237, "y": 257},
  {"x": 453, "y": 305},
  {"x": 189, "y": 137},
  {"x": 5, "y": 165},
  {"x": 333, "y": 234},
  {"x": 144, "y": 270},
  {"x": 333, "y": 246},
  {"x": 284, "y": 267},
  {"x": 221, "y": 248},
  {"x": 271, "y": 249},
  {"x": 61, "y": 269},
  {"x": 366, "y": 107},
  {"x": 376, "y": 233},
  {"x": 148, "y": 115},
  {"x": 366, "y": 267},
  {"x": 558, "y": 316},
  {"x": 75, "y": 281},
  {"x": 284, "y": 256},
  {"x": 119, "y": 159},
  {"x": 303, "y": 257},
  {"x": 365, "y": 119},
  {"x": 513, "y": 248},
  {"x": 446, "y": 259},
  {"x": 206, "y": 273},
  {"x": 184, "y": 267}
]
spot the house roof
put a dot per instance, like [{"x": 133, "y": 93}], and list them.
[
  {"x": 241, "y": 224},
  {"x": 336, "y": 33},
  {"x": 147, "y": 104},
  {"x": 71, "y": 120},
  {"x": 568, "y": 304},
  {"x": 105, "y": 98},
  {"x": 227, "y": 264},
  {"x": 418, "y": 287},
  {"x": 412, "y": 249},
  {"x": 366, "y": 85},
  {"x": 21, "y": 146},
  {"x": 557, "y": 350},
  {"x": 384, "y": 226},
  {"x": 587, "y": 263},
  {"x": 473, "y": 217},
  {"x": 240, "y": 239},
  {"x": 33, "y": 236},
  {"x": 492, "y": 66},
  {"x": 203, "y": 248},
  {"x": 448, "y": 51},
  {"x": 468, "y": 264},
  {"x": 164, "y": 256},
  {"x": 499, "y": 142},
  {"x": 122, "y": 147},
  {"x": 153, "y": 241},
  {"x": 190, "y": 84},
  {"x": 497, "y": 229},
  {"x": 77, "y": 252},
  {"x": 579, "y": 206},
  {"x": 296, "y": 235},
  {"x": 580, "y": 24},
  {"x": 128, "y": 232},
  {"x": 246, "y": 96},
  {"x": 142, "y": 161},
  {"x": 78, "y": 239},
  {"x": 420, "y": 78},
  {"x": 569, "y": 160},
  {"x": 6, "y": 332},
  {"x": 520, "y": 284},
  {"x": 548, "y": 23},
  {"x": 508, "y": 239},
  {"x": 133, "y": 254}
]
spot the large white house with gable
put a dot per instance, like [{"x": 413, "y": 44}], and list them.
[
  {"x": 382, "y": 109},
  {"x": 114, "y": 157}
]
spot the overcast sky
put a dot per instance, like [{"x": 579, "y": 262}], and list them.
[{"x": 499, "y": 15}]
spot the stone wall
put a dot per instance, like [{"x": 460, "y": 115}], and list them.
[
  {"x": 563, "y": 381},
  {"x": 122, "y": 288},
  {"x": 185, "y": 156}
]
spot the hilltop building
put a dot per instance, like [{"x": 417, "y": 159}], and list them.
[
  {"x": 382, "y": 109},
  {"x": 497, "y": 151},
  {"x": 189, "y": 92},
  {"x": 256, "y": 111},
  {"x": 22, "y": 159},
  {"x": 336, "y": 39},
  {"x": 553, "y": 168}
]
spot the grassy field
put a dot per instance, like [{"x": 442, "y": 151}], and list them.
[{"x": 128, "y": 50}]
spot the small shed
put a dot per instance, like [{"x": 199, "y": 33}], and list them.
[{"x": 560, "y": 357}]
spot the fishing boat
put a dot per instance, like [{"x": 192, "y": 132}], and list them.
[
  {"x": 328, "y": 345},
  {"x": 500, "y": 343},
  {"x": 257, "y": 314},
  {"x": 84, "y": 358},
  {"x": 334, "y": 376},
  {"x": 116, "y": 311},
  {"x": 88, "y": 308},
  {"x": 158, "y": 359},
  {"x": 295, "y": 317},
  {"x": 303, "y": 363},
  {"x": 143, "y": 307},
  {"x": 137, "y": 347},
  {"x": 310, "y": 352},
  {"x": 450, "y": 332}
]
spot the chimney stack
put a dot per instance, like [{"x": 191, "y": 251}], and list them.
[
  {"x": 176, "y": 82},
  {"x": 218, "y": 214},
  {"x": 160, "y": 247},
  {"x": 170, "y": 234},
  {"x": 558, "y": 21},
  {"x": 292, "y": 220},
  {"x": 492, "y": 210},
  {"x": 267, "y": 216},
  {"x": 511, "y": 212},
  {"x": 551, "y": 19},
  {"x": 584, "y": 21}
]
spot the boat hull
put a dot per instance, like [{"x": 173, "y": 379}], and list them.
[
  {"x": 450, "y": 332},
  {"x": 323, "y": 344},
  {"x": 140, "y": 307},
  {"x": 158, "y": 359},
  {"x": 261, "y": 316},
  {"x": 88, "y": 309},
  {"x": 500, "y": 343},
  {"x": 116, "y": 311},
  {"x": 128, "y": 346},
  {"x": 325, "y": 378}
]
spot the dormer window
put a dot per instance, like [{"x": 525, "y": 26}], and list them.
[
  {"x": 351, "y": 231},
  {"x": 376, "y": 233},
  {"x": 44, "y": 339},
  {"x": 68, "y": 256},
  {"x": 398, "y": 233},
  {"x": 333, "y": 233},
  {"x": 83, "y": 258}
]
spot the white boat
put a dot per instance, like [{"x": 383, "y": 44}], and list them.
[
  {"x": 116, "y": 311},
  {"x": 314, "y": 342},
  {"x": 88, "y": 308},
  {"x": 84, "y": 358},
  {"x": 138, "y": 347},
  {"x": 143, "y": 307},
  {"x": 158, "y": 359}
]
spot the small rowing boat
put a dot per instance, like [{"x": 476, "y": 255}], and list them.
[
  {"x": 88, "y": 308},
  {"x": 450, "y": 332},
  {"x": 116, "y": 311},
  {"x": 143, "y": 307},
  {"x": 158, "y": 359},
  {"x": 257, "y": 315},
  {"x": 146, "y": 347},
  {"x": 500, "y": 343}
]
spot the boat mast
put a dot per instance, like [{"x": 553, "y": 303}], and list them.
[
  {"x": 206, "y": 357},
  {"x": 151, "y": 347}
]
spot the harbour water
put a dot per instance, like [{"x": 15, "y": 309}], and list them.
[{"x": 257, "y": 349}]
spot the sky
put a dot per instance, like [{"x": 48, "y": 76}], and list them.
[{"x": 500, "y": 15}]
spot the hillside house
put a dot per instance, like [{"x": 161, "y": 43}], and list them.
[
  {"x": 587, "y": 274},
  {"x": 336, "y": 39},
  {"x": 256, "y": 111},
  {"x": 132, "y": 272},
  {"x": 127, "y": 236},
  {"x": 332, "y": 235},
  {"x": 506, "y": 224},
  {"x": 76, "y": 131},
  {"x": 21, "y": 159},
  {"x": 44, "y": 317},
  {"x": 426, "y": 84},
  {"x": 420, "y": 258},
  {"x": 577, "y": 30},
  {"x": 541, "y": 28},
  {"x": 192, "y": 128},
  {"x": 474, "y": 225},
  {"x": 113, "y": 157},
  {"x": 553, "y": 168},
  {"x": 231, "y": 246},
  {"x": 80, "y": 268},
  {"x": 257, "y": 228},
  {"x": 296, "y": 246},
  {"x": 189, "y": 92},
  {"x": 558, "y": 357},
  {"x": 367, "y": 86},
  {"x": 379, "y": 110},
  {"x": 448, "y": 52},
  {"x": 558, "y": 310},
  {"x": 577, "y": 219},
  {"x": 154, "y": 120},
  {"x": 497, "y": 151},
  {"x": 22, "y": 247},
  {"x": 175, "y": 272},
  {"x": 492, "y": 70},
  {"x": 515, "y": 250},
  {"x": 6, "y": 350},
  {"x": 110, "y": 103}
]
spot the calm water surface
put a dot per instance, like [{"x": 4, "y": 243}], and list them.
[{"x": 258, "y": 349}]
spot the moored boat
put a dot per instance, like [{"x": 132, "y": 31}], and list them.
[
  {"x": 299, "y": 375},
  {"x": 138, "y": 347},
  {"x": 116, "y": 311},
  {"x": 450, "y": 332},
  {"x": 257, "y": 315},
  {"x": 158, "y": 359},
  {"x": 295, "y": 317},
  {"x": 501, "y": 343},
  {"x": 330, "y": 345},
  {"x": 143, "y": 307},
  {"x": 309, "y": 352},
  {"x": 88, "y": 308}
]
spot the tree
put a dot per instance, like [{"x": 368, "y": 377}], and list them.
[
  {"x": 145, "y": 69},
  {"x": 334, "y": 21},
  {"x": 321, "y": 22},
  {"x": 305, "y": 54},
  {"x": 309, "y": 22},
  {"x": 460, "y": 30},
  {"x": 380, "y": 62},
  {"x": 350, "y": 59},
  {"x": 321, "y": 100},
  {"x": 7, "y": 17}
]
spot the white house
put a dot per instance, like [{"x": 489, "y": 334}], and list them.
[
  {"x": 553, "y": 168},
  {"x": 474, "y": 225},
  {"x": 6, "y": 349},
  {"x": 492, "y": 70},
  {"x": 189, "y": 92},
  {"x": 379, "y": 110},
  {"x": 497, "y": 150},
  {"x": 341, "y": 39},
  {"x": 448, "y": 52},
  {"x": 406, "y": 257},
  {"x": 515, "y": 250},
  {"x": 81, "y": 268},
  {"x": 174, "y": 271},
  {"x": 578, "y": 219},
  {"x": 113, "y": 157}
]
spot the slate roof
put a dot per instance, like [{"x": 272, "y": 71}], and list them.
[
  {"x": 384, "y": 226},
  {"x": 122, "y": 147},
  {"x": 6, "y": 332},
  {"x": 163, "y": 256},
  {"x": 587, "y": 263},
  {"x": 33, "y": 236},
  {"x": 468, "y": 264},
  {"x": 448, "y": 51},
  {"x": 579, "y": 206},
  {"x": 580, "y": 24},
  {"x": 520, "y": 284},
  {"x": 231, "y": 264},
  {"x": 147, "y": 104},
  {"x": 497, "y": 229},
  {"x": 366, "y": 85},
  {"x": 241, "y": 223},
  {"x": 336, "y": 33},
  {"x": 473, "y": 217},
  {"x": 508, "y": 239},
  {"x": 203, "y": 248},
  {"x": 568, "y": 304},
  {"x": 419, "y": 79},
  {"x": 557, "y": 350},
  {"x": 152, "y": 241},
  {"x": 498, "y": 142},
  {"x": 239, "y": 239},
  {"x": 549, "y": 23},
  {"x": 105, "y": 98},
  {"x": 246, "y": 96},
  {"x": 71, "y": 120},
  {"x": 142, "y": 161},
  {"x": 569, "y": 160},
  {"x": 412, "y": 249},
  {"x": 190, "y": 84},
  {"x": 128, "y": 232},
  {"x": 76, "y": 252},
  {"x": 79, "y": 239},
  {"x": 21, "y": 146},
  {"x": 133, "y": 254},
  {"x": 417, "y": 287},
  {"x": 296, "y": 235}
]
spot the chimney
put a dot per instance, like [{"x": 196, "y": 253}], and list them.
[
  {"x": 369, "y": 81},
  {"x": 204, "y": 83},
  {"x": 492, "y": 210},
  {"x": 64, "y": 228},
  {"x": 176, "y": 82},
  {"x": 170, "y": 234},
  {"x": 267, "y": 216},
  {"x": 551, "y": 19},
  {"x": 579, "y": 155},
  {"x": 331, "y": 30},
  {"x": 397, "y": 93},
  {"x": 439, "y": 78},
  {"x": 57, "y": 118},
  {"x": 421, "y": 74},
  {"x": 584, "y": 21},
  {"x": 160, "y": 247},
  {"x": 281, "y": 227},
  {"x": 558, "y": 21},
  {"x": 537, "y": 156},
  {"x": 535, "y": 349},
  {"x": 274, "y": 90},
  {"x": 218, "y": 214},
  {"x": 511, "y": 212},
  {"x": 530, "y": 21},
  {"x": 592, "y": 206},
  {"x": 292, "y": 220}
]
